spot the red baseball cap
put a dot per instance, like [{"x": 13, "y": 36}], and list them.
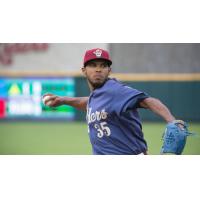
[{"x": 97, "y": 53}]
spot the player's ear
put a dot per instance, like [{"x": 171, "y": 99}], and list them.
[
  {"x": 109, "y": 70},
  {"x": 83, "y": 70}
]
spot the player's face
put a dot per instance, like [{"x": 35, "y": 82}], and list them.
[{"x": 96, "y": 72}]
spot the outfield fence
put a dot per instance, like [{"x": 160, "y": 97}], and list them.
[{"x": 180, "y": 92}]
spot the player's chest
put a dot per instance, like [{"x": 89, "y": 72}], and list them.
[
  {"x": 98, "y": 110},
  {"x": 98, "y": 118}
]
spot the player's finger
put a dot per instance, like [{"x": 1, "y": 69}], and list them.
[
  {"x": 181, "y": 124},
  {"x": 47, "y": 94},
  {"x": 53, "y": 103},
  {"x": 47, "y": 98}
]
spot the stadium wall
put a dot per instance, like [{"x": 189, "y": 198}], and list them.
[
  {"x": 180, "y": 92},
  {"x": 155, "y": 58},
  {"x": 34, "y": 58},
  {"x": 170, "y": 72}
]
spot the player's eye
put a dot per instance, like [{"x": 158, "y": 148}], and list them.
[
  {"x": 91, "y": 64},
  {"x": 104, "y": 65}
]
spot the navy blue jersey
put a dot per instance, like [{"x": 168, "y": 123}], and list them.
[{"x": 113, "y": 121}]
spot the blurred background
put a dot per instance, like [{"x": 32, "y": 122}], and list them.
[{"x": 170, "y": 72}]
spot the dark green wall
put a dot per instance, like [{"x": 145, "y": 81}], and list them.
[
  {"x": 182, "y": 98},
  {"x": 82, "y": 90}
]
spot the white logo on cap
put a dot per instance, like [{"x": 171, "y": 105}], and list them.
[{"x": 98, "y": 52}]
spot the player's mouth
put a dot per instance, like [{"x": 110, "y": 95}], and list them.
[{"x": 98, "y": 77}]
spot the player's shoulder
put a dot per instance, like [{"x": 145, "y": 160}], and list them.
[
  {"x": 122, "y": 88},
  {"x": 114, "y": 83},
  {"x": 109, "y": 88}
]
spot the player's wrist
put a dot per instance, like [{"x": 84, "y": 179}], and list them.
[
  {"x": 178, "y": 121},
  {"x": 61, "y": 100},
  {"x": 170, "y": 119}
]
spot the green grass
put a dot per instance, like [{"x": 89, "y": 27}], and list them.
[{"x": 71, "y": 138}]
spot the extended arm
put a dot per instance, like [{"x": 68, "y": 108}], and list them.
[
  {"x": 77, "y": 102},
  {"x": 157, "y": 107},
  {"x": 173, "y": 143}
]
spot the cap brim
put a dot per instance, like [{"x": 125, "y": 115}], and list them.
[{"x": 109, "y": 61}]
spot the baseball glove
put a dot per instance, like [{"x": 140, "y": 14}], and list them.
[{"x": 174, "y": 137}]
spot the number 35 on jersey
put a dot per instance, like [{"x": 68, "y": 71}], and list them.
[{"x": 102, "y": 129}]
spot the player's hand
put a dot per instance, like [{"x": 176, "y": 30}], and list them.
[
  {"x": 52, "y": 100},
  {"x": 174, "y": 137},
  {"x": 180, "y": 124}
]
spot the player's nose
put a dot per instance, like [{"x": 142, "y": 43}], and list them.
[{"x": 98, "y": 68}]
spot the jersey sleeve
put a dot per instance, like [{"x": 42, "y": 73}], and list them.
[{"x": 127, "y": 98}]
